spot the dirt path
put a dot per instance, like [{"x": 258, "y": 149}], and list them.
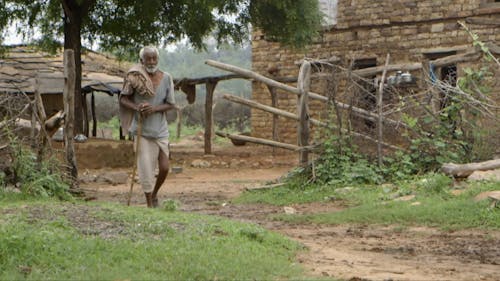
[{"x": 348, "y": 252}]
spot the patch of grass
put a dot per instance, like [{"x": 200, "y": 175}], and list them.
[
  {"x": 285, "y": 195},
  {"x": 433, "y": 203},
  {"x": 42, "y": 240},
  {"x": 431, "y": 206}
]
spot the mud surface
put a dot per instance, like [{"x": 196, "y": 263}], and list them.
[{"x": 345, "y": 251}]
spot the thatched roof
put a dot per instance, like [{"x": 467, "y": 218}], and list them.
[{"x": 21, "y": 65}]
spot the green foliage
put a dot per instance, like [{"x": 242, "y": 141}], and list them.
[
  {"x": 339, "y": 164},
  {"x": 301, "y": 17},
  {"x": 113, "y": 124},
  {"x": 435, "y": 184},
  {"x": 44, "y": 241},
  {"x": 37, "y": 179},
  {"x": 124, "y": 26},
  {"x": 170, "y": 205},
  {"x": 454, "y": 134}
]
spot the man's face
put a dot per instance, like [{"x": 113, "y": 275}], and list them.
[{"x": 150, "y": 61}]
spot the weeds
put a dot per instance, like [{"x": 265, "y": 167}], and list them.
[{"x": 32, "y": 177}]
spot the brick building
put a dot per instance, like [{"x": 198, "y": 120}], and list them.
[{"x": 361, "y": 32}]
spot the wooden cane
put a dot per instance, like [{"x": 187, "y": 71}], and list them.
[{"x": 134, "y": 170}]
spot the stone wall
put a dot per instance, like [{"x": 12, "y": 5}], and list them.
[{"x": 407, "y": 29}]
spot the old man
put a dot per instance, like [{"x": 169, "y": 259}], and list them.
[{"x": 148, "y": 93}]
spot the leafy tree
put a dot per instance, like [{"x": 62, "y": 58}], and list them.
[{"x": 124, "y": 25}]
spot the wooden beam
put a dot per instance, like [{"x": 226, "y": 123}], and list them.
[
  {"x": 471, "y": 55},
  {"x": 204, "y": 80},
  {"x": 371, "y": 71},
  {"x": 270, "y": 109},
  {"x": 260, "y": 141},
  {"x": 209, "y": 100},
  {"x": 255, "y": 76},
  {"x": 483, "y": 21}
]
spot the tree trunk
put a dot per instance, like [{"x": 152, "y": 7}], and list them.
[
  {"x": 464, "y": 170},
  {"x": 74, "y": 14}
]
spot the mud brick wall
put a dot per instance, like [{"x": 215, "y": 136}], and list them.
[{"x": 407, "y": 29}]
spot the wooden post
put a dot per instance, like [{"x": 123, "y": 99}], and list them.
[
  {"x": 380, "y": 94},
  {"x": 85, "y": 115},
  {"x": 210, "y": 86},
  {"x": 274, "y": 103},
  {"x": 40, "y": 110},
  {"x": 34, "y": 140},
  {"x": 122, "y": 137},
  {"x": 303, "y": 84},
  {"x": 94, "y": 118},
  {"x": 69, "y": 109},
  {"x": 179, "y": 122}
]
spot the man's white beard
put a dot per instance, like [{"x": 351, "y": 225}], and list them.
[{"x": 152, "y": 69}]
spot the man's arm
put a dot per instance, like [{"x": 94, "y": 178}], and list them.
[{"x": 126, "y": 101}]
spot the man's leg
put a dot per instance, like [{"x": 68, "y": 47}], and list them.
[
  {"x": 146, "y": 166},
  {"x": 149, "y": 199},
  {"x": 163, "y": 165}
]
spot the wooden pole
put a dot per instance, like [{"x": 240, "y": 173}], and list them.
[
  {"x": 380, "y": 94},
  {"x": 122, "y": 137},
  {"x": 260, "y": 141},
  {"x": 69, "y": 109},
  {"x": 179, "y": 122},
  {"x": 303, "y": 84},
  {"x": 94, "y": 118},
  {"x": 274, "y": 104},
  {"x": 275, "y": 111},
  {"x": 34, "y": 140},
  {"x": 210, "y": 86},
  {"x": 85, "y": 115}
]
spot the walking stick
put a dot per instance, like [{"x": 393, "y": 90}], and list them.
[{"x": 134, "y": 170}]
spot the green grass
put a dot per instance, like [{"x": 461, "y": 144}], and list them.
[
  {"x": 48, "y": 239},
  {"x": 436, "y": 206},
  {"x": 289, "y": 194}
]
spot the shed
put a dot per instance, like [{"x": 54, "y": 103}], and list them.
[{"x": 25, "y": 68}]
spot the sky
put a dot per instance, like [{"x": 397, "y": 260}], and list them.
[{"x": 11, "y": 38}]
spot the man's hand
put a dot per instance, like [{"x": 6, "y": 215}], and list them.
[{"x": 146, "y": 109}]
